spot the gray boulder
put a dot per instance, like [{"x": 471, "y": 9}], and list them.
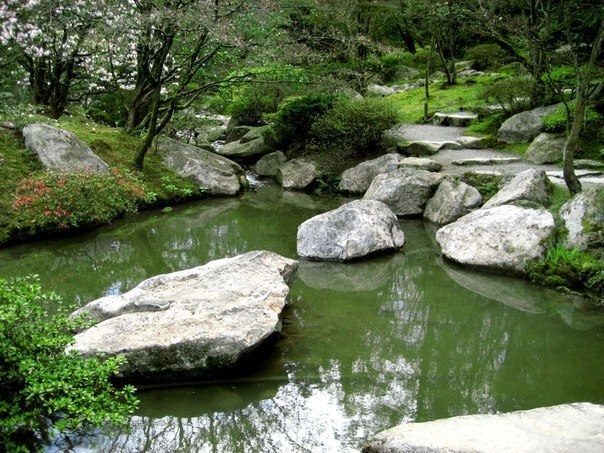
[
  {"x": 583, "y": 219},
  {"x": 529, "y": 185},
  {"x": 457, "y": 119},
  {"x": 525, "y": 126},
  {"x": 453, "y": 199},
  {"x": 251, "y": 144},
  {"x": 61, "y": 151},
  {"x": 194, "y": 323},
  {"x": 501, "y": 239},
  {"x": 269, "y": 164},
  {"x": 217, "y": 174},
  {"x": 404, "y": 191},
  {"x": 358, "y": 179},
  {"x": 352, "y": 231},
  {"x": 576, "y": 428},
  {"x": 469, "y": 142},
  {"x": 297, "y": 174},
  {"x": 421, "y": 163},
  {"x": 236, "y": 133},
  {"x": 422, "y": 148},
  {"x": 379, "y": 90},
  {"x": 545, "y": 149}
]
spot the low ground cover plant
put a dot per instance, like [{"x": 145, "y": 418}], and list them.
[{"x": 51, "y": 202}]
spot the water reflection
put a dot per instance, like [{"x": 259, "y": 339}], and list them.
[{"x": 366, "y": 345}]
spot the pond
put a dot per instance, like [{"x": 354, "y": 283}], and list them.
[{"x": 365, "y": 346}]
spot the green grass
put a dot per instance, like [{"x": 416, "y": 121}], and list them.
[
  {"x": 15, "y": 164},
  {"x": 443, "y": 98},
  {"x": 112, "y": 145}
]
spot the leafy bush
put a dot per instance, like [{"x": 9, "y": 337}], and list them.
[
  {"x": 558, "y": 120},
  {"x": 485, "y": 56},
  {"x": 109, "y": 109},
  {"x": 390, "y": 64},
  {"x": 262, "y": 95},
  {"x": 557, "y": 80},
  {"x": 43, "y": 389},
  {"x": 51, "y": 202},
  {"x": 353, "y": 124},
  {"x": 293, "y": 121},
  {"x": 512, "y": 94},
  {"x": 254, "y": 103}
]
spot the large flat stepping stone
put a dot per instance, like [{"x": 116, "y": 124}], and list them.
[
  {"x": 191, "y": 324},
  {"x": 577, "y": 428},
  {"x": 486, "y": 161}
]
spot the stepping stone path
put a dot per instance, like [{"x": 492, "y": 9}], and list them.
[
  {"x": 472, "y": 155},
  {"x": 486, "y": 161}
]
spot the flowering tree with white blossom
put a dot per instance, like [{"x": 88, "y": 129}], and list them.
[{"x": 51, "y": 40}]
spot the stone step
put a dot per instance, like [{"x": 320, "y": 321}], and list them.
[
  {"x": 486, "y": 161},
  {"x": 458, "y": 119}
]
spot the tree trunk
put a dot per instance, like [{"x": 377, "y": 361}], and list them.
[
  {"x": 572, "y": 145},
  {"x": 584, "y": 75},
  {"x": 147, "y": 141}
]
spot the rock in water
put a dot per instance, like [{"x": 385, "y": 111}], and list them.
[
  {"x": 576, "y": 428},
  {"x": 404, "y": 191},
  {"x": 453, "y": 199},
  {"x": 354, "y": 230},
  {"x": 194, "y": 323},
  {"x": 297, "y": 174},
  {"x": 500, "y": 239},
  {"x": 358, "y": 179}
]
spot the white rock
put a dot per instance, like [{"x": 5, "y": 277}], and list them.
[
  {"x": 576, "y": 428},
  {"x": 503, "y": 238},
  {"x": 193, "y": 323},
  {"x": 354, "y": 230}
]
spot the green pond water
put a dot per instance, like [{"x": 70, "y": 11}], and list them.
[{"x": 367, "y": 345}]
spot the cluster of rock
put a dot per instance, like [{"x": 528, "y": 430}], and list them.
[{"x": 503, "y": 235}]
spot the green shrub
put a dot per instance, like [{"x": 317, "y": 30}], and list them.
[
  {"x": 557, "y": 80},
  {"x": 109, "y": 109},
  {"x": 390, "y": 64},
  {"x": 52, "y": 202},
  {"x": 265, "y": 90},
  {"x": 558, "y": 120},
  {"x": 485, "y": 56},
  {"x": 511, "y": 93},
  {"x": 293, "y": 121},
  {"x": 352, "y": 124},
  {"x": 252, "y": 106},
  {"x": 569, "y": 268},
  {"x": 43, "y": 389}
]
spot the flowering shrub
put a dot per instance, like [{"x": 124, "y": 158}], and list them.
[{"x": 57, "y": 201}]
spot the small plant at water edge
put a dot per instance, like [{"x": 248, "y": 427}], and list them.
[
  {"x": 571, "y": 269},
  {"x": 51, "y": 202},
  {"x": 44, "y": 391}
]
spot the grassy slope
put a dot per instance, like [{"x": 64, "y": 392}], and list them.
[{"x": 113, "y": 145}]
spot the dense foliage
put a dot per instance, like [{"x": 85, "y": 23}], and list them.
[{"x": 45, "y": 391}]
